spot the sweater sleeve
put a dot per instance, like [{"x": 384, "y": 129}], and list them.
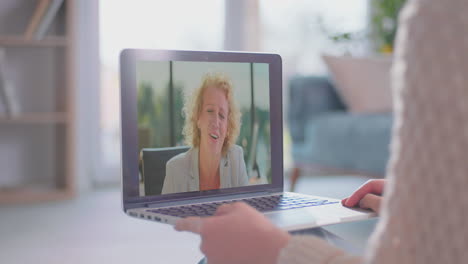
[{"x": 422, "y": 216}]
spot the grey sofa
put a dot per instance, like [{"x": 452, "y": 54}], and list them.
[{"x": 327, "y": 139}]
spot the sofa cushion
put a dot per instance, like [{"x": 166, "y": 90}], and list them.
[
  {"x": 363, "y": 83},
  {"x": 356, "y": 142},
  {"x": 309, "y": 97}
]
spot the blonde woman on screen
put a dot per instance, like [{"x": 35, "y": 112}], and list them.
[{"x": 211, "y": 128}]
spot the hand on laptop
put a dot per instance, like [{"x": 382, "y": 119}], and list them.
[
  {"x": 236, "y": 228},
  {"x": 368, "y": 196}
]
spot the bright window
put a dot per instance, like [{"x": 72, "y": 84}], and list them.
[
  {"x": 300, "y": 30},
  {"x": 152, "y": 24}
]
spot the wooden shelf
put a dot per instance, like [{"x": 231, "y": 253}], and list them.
[
  {"x": 32, "y": 194},
  {"x": 43, "y": 76},
  {"x": 29, "y": 118},
  {"x": 20, "y": 41}
]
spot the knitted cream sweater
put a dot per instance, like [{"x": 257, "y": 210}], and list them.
[{"x": 425, "y": 208}]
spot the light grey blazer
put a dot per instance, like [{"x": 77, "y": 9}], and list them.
[{"x": 182, "y": 171}]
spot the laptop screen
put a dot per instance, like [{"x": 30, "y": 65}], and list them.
[{"x": 202, "y": 123}]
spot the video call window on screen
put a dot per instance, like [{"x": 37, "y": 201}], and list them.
[{"x": 202, "y": 125}]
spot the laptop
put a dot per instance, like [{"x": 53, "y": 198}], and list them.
[{"x": 161, "y": 169}]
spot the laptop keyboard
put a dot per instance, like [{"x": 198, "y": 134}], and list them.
[{"x": 262, "y": 204}]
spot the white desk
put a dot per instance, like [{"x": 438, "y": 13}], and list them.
[{"x": 91, "y": 229}]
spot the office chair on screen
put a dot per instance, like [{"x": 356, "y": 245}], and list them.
[{"x": 154, "y": 166}]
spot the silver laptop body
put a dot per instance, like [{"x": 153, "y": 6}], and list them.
[{"x": 142, "y": 177}]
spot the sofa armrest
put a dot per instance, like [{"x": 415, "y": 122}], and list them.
[{"x": 309, "y": 96}]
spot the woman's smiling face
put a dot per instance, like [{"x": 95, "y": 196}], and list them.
[{"x": 213, "y": 119}]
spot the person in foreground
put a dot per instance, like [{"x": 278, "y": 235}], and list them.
[
  {"x": 424, "y": 207},
  {"x": 211, "y": 128}
]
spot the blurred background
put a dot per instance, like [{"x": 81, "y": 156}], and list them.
[{"x": 60, "y": 115}]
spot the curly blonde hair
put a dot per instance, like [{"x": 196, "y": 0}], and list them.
[{"x": 193, "y": 106}]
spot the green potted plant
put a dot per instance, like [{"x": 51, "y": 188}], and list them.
[
  {"x": 384, "y": 22},
  {"x": 383, "y": 27}
]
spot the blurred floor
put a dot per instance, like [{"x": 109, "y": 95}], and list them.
[{"x": 93, "y": 229}]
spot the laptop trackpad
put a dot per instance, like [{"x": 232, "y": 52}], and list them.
[{"x": 299, "y": 218}]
